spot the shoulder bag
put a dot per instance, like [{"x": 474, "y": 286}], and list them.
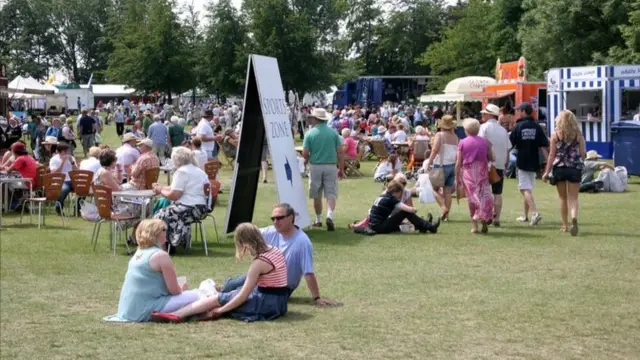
[{"x": 436, "y": 175}]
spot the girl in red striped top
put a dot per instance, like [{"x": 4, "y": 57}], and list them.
[{"x": 264, "y": 294}]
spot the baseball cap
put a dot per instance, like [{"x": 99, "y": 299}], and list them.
[{"x": 525, "y": 106}]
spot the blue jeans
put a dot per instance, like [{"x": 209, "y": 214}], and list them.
[{"x": 66, "y": 189}]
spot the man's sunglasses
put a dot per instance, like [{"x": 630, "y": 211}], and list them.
[{"x": 275, "y": 218}]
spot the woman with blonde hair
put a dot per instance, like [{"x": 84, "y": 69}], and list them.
[
  {"x": 444, "y": 147},
  {"x": 150, "y": 283},
  {"x": 262, "y": 296},
  {"x": 565, "y": 162},
  {"x": 472, "y": 172}
]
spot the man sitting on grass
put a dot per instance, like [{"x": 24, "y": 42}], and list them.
[
  {"x": 298, "y": 253},
  {"x": 388, "y": 212}
]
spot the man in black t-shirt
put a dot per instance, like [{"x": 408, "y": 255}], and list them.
[
  {"x": 528, "y": 138},
  {"x": 383, "y": 219},
  {"x": 87, "y": 129}
]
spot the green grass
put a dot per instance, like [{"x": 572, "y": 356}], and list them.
[{"x": 519, "y": 292}]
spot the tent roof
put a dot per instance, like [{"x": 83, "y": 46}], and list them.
[
  {"x": 28, "y": 85},
  {"x": 109, "y": 90},
  {"x": 461, "y": 89}
]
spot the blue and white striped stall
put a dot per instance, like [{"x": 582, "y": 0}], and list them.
[
  {"x": 608, "y": 83},
  {"x": 560, "y": 82},
  {"x": 623, "y": 77}
]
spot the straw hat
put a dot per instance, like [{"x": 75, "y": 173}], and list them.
[
  {"x": 447, "y": 122},
  {"x": 593, "y": 155},
  {"x": 491, "y": 109},
  {"x": 128, "y": 137},
  {"x": 320, "y": 114},
  {"x": 146, "y": 142},
  {"x": 50, "y": 140},
  {"x": 382, "y": 129}
]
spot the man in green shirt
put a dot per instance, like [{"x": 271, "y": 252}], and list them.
[
  {"x": 146, "y": 122},
  {"x": 176, "y": 132},
  {"x": 321, "y": 149}
]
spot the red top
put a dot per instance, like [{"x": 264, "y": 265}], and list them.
[
  {"x": 27, "y": 167},
  {"x": 276, "y": 278}
]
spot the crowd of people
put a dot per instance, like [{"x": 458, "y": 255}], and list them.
[{"x": 155, "y": 135}]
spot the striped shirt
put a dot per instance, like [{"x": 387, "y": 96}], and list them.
[{"x": 277, "y": 277}]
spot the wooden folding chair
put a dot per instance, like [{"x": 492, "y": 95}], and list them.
[
  {"x": 151, "y": 177},
  {"x": 52, "y": 187},
  {"x": 104, "y": 203},
  {"x": 81, "y": 181},
  {"x": 379, "y": 149},
  {"x": 420, "y": 151}
]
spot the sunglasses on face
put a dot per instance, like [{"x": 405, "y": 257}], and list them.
[{"x": 277, "y": 218}]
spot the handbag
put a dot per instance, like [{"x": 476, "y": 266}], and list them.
[
  {"x": 494, "y": 177},
  {"x": 436, "y": 175}
]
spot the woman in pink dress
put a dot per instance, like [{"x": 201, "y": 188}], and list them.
[{"x": 472, "y": 172}]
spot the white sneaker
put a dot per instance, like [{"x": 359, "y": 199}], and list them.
[
  {"x": 535, "y": 220},
  {"x": 522, "y": 219}
]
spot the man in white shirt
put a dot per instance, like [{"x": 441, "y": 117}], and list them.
[
  {"x": 208, "y": 138},
  {"x": 63, "y": 162},
  {"x": 499, "y": 139},
  {"x": 92, "y": 163},
  {"x": 127, "y": 154},
  {"x": 636, "y": 117}
]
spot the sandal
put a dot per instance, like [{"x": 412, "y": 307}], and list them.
[
  {"x": 445, "y": 215},
  {"x": 574, "y": 227}
]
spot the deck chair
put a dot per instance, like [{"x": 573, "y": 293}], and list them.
[
  {"x": 380, "y": 151},
  {"x": 211, "y": 168},
  {"x": 229, "y": 159},
  {"x": 420, "y": 152}
]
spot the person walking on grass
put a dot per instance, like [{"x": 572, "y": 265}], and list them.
[
  {"x": 528, "y": 138},
  {"x": 565, "y": 162},
  {"x": 321, "y": 148},
  {"x": 500, "y": 145}
]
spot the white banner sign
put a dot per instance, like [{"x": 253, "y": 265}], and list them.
[
  {"x": 584, "y": 73},
  {"x": 632, "y": 71},
  {"x": 553, "y": 80},
  {"x": 280, "y": 138}
]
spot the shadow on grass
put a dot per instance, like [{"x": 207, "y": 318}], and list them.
[
  {"x": 294, "y": 316},
  {"x": 341, "y": 236}
]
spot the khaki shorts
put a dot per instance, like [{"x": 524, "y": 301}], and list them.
[{"x": 323, "y": 179}]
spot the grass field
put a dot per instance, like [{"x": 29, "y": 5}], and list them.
[{"x": 516, "y": 293}]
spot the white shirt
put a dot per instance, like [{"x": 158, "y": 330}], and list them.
[
  {"x": 201, "y": 158},
  {"x": 636, "y": 117},
  {"x": 190, "y": 180},
  {"x": 127, "y": 155},
  {"x": 389, "y": 136},
  {"x": 204, "y": 129},
  {"x": 499, "y": 139},
  {"x": 55, "y": 162},
  {"x": 91, "y": 164},
  {"x": 384, "y": 169},
  {"x": 400, "y": 136}
]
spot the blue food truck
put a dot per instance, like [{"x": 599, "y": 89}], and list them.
[{"x": 376, "y": 90}]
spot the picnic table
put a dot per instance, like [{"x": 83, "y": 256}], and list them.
[
  {"x": 5, "y": 180},
  {"x": 136, "y": 194}
]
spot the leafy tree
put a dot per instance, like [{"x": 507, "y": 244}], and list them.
[
  {"x": 463, "y": 50},
  {"x": 151, "y": 52},
  {"x": 360, "y": 26},
  {"x": 568, "y": 33},
  {"x": 629, "y": 53},
  {"x": 287, "y": 34},
  {"x": 224, "y": 56}
]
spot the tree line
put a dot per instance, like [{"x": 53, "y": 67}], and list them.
[{"x": 157, "y": 45}]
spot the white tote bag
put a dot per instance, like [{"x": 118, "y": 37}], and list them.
[{"x": 425, "y": 189}]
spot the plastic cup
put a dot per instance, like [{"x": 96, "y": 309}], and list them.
[{"x": 181, "y": 280}]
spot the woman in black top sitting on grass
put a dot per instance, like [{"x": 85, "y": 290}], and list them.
[{"x": 384, "y": 220}]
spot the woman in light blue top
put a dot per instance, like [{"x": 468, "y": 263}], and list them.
[{"x": 150, "y": 283}]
